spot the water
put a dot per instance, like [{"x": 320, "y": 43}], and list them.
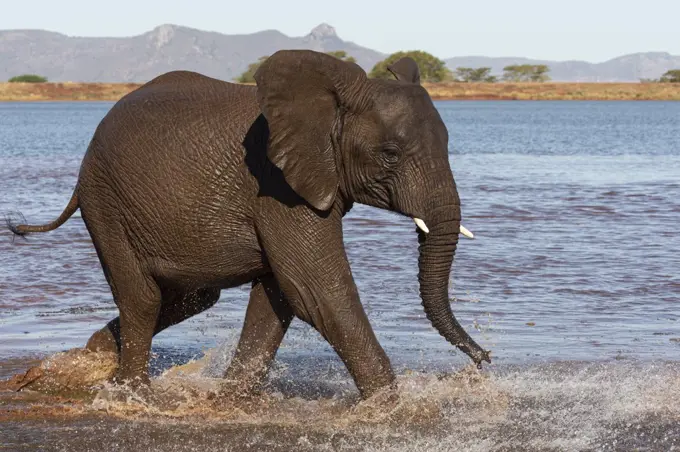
[{"x": 572, "y": 282}]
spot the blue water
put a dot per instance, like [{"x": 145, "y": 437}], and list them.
[{"x": 575, "y": 207}]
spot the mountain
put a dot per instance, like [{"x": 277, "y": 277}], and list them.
[{"x": 168, "y": 47}]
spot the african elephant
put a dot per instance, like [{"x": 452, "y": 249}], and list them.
[{"x": 191, "y": 185}]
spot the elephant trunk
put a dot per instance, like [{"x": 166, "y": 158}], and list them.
[{"x": 437, "y": 249}]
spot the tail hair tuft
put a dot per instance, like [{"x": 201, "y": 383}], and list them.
[{"x": 14, "y": 220}]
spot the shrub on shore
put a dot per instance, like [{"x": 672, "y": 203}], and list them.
[
  {"x": 432, "y": 69},
  {"x": 28, "y": 78}
]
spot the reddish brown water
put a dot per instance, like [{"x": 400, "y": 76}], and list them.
[{"x": 572, "y": 282}]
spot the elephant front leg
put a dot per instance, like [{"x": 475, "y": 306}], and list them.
[
  {"x": 312, "y": 269},
  {"x": 339, "y": 316},
  {"x": 267, "y": 318}
]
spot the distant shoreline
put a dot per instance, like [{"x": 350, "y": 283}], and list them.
[
  {"x": 73, "y": 92},
  {"x": 554, "y": 91}
]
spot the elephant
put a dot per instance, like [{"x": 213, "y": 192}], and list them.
[{"x": 191, "y": 185}]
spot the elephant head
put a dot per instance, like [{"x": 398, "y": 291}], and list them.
[{"x": 334, "y": 133}]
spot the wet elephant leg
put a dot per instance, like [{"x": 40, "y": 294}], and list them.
[
  {"x": 138, "y": 299},
  {"x": 176, "y": 306},
  {"x": 334, "y": 310},
  {"x": 311, "y": 267},
  {"x": 267, "y": 318}
]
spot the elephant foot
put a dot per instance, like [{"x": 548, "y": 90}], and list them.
[
  {"x": 142, "y": 396},
  {"x": 235, "y": 395},
  {"x": 379, "y": 405},
  {"x": 387, "y": 397},
  {"x": 102, "y": 341}
]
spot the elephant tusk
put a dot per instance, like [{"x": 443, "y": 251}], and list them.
[
  {"x": 466, "y": 232},
  {"x": 421, "y": 225}
]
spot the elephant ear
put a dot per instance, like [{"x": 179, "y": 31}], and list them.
[
  {"x": 301, "y": 94},
  {"x": 405, "y": 69}
]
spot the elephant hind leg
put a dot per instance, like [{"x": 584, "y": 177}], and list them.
[
  {"x": 135, "y": 291},
  {"x": 138, "y": 298},
  {"x": 267, "y": 319},
  {"x": 176, "y": 306},
  {"x": 179, "y": 305}
]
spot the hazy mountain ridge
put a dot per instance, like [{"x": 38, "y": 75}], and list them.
[{"x": 167, "y": 47}]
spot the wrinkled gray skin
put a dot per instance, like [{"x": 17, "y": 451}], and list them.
[{"x": 191, "y": 185}]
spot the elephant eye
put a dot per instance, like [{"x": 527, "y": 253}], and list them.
[{"x": 390, "y": 154}]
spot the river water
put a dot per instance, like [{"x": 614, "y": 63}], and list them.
[{"x": 572, "y": 281}]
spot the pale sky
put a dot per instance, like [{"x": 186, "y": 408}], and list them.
[{"x": 591, "y": 30}]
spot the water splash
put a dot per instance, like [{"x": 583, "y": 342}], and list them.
[{"x": 552, "y": 406}]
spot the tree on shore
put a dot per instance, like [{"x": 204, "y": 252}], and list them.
[
  {"x": 672, "y": 76},
  {"x": 468, "y": 74},
  {"x": 526, "y": 73},
  {"x": 432, "y": 69},
  {"x": 28, "y": 78},
  {"x": 249, "y": 75}
]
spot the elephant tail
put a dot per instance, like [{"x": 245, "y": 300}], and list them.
[{"x": 23, "y": 229}]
